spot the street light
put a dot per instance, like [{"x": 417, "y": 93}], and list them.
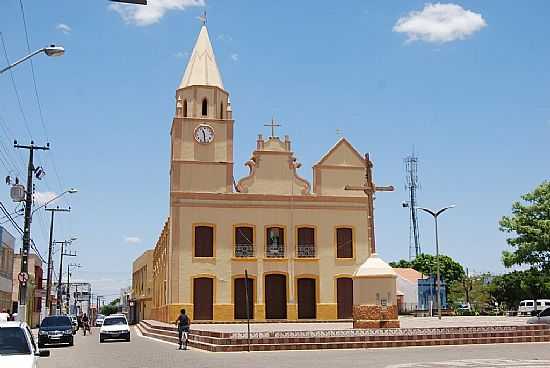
[
  {"x": 438, "y": 285},
  {"x": 70, "y": 191},
  {"x": 63, "y": 243},
  {"x": 51, "y": 50}
]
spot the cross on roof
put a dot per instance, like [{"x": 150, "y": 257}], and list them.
[
  {"x": 272, "y": 125},
  {"x": 203, "y": 18}
]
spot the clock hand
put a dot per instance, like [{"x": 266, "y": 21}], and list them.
[{"x": 204, "y": 135}]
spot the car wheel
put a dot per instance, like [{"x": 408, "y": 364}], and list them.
[
  {"x": 71, "y": 342},
  {"x": 128, "y": 339}
]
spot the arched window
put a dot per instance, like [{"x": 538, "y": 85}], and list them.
[
  {"x": 204, "y": 107},
  {"x": 221, "y": 110},
  {"x": 184, "y": 108}
]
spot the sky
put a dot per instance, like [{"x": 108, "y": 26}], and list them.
[{"x": 465, "y": 84}]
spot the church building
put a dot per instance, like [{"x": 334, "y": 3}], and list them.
[{"x": 300, "y": 243}]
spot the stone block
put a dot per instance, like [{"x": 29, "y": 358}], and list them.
[
  {"x": 390, "y": 324},
  {"x": 390, "y": 312},
  {"x": 366, "y": 312},
  {"x": 366, "y": 324}
]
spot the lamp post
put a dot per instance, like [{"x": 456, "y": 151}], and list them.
[
  {"x": 51, "y": 50},
  {"x": 69, "y": 266},
  {"x": 438, "y": 282}
]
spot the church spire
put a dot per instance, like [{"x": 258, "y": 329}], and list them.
[{"x": 202, "y": 69}]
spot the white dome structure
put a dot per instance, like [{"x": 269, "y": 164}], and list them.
[{"x": 374, "y": 266}]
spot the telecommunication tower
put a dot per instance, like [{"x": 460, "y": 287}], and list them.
[{"x": 412, "y": 185}]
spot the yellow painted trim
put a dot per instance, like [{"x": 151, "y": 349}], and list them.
[
  {"x": 296, "y": 228},
  {"x": 353, "y": 242},
  {"x": 244, "y": 259},
  {"x": 285, "y": 247},
  {"x": 254, "y": 243},
  {"x": 213, "y": 226}
]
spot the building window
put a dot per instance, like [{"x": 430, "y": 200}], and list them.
[
  {"x": 306, "y": 242},
  {"x": 344, "y": 242},
  {"x": 244, "y": 241},
  {"x": 204, "y": 241},
  {"x": 184, "y": 108},
  {"x": 204, "y": 107},
  {"x": 221, "y": 110},
  {"x": 275, "y": 241}
]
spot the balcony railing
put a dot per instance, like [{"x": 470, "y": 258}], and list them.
[
  {"x": 275, "y": 251},
  {"x": 244, "y": 250},
  {"x": 306, "y": 251}
]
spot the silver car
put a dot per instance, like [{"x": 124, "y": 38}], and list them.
[{"x": 542, "y": 318}]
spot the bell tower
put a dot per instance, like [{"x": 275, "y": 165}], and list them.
[{"x": 202, "y": 129}]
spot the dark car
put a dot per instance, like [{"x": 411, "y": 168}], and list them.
[{"x": 55, "y": 330}]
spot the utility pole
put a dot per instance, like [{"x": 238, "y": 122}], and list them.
[
  {"x": 50, "y": 264},
  {"x": 24, "y": 274},
  {"x": 59, "y": 295},
  {"x": 69, "y": 284}
]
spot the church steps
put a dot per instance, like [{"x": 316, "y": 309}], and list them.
[{"x": 224, "y": 342}]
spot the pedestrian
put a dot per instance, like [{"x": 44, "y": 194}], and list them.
[
  {"x": 4, "y": 316},
  {"x": 183, "y": 322}
]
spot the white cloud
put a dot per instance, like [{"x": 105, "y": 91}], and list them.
[
  {"x": 182, "y": 54},
  {"x": 440, "y": 23},
  {"x": 235, "y": 57},
  {"x": 132, "y": 240},
  {"x": 41, "y": 198},
  {"x": 145, "y": 15},
  {"x": 64, "y": 28}
]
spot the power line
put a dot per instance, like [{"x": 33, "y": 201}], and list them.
[
  {"x": 39, "y": 104},
  {"x": 20, "y": 103}
]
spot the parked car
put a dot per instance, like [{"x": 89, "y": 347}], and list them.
[
  {"x": 55, "y": 330},
  {"x": 74, "y": 321},
  {"x": 114, "y": 327},
  {"x": 99, "y": 320},
  {"x": 17, "y": 346},
  {"x": 527, "y": 307},
  {"x": 542, "y": 318}
]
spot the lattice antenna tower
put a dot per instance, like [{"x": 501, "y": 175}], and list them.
[{"x": 412, "y": 185}]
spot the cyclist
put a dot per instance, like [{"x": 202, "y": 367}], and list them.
[
  {"x": 183, "y": 322},
  {"x": 85, "y": 324}
]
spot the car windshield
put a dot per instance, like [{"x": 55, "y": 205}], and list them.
[
  {"x": 13, "y": 341},
  {"x": 100, "y": 316},
  {"x": 55, "y": 321},
  {"x": 115, "y": 321}
]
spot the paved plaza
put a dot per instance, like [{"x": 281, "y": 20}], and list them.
[
  {"x": 406, "y": 322},
  {"x": 143, "y": 352}
]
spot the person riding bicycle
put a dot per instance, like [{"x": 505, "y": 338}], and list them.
[
  {"x": 85, "y": 323},
  {"x": 183, "y": 322}
]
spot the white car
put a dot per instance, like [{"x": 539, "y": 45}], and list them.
[
  {"x": 17, "y": 346},
  {"x": 527, "y": 307},
  {"x": 114, "y": 327},
  {"x": 99, "y": 320}
]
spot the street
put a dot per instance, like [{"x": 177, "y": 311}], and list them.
[{"x": 144, "y": 352}]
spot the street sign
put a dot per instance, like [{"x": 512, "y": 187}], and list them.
[{"x": 23, "y": 277}]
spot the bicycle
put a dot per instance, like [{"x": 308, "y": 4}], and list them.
[
  {"x": 183, "y": 339},
  {"x": 86, "y": 327}
]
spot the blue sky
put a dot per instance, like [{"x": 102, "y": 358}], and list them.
[{"x": 471, "y": 96}]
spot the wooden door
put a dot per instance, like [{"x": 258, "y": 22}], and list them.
[
  {"x": 275, "y": 297},
  {"x": 203, "y": 298},
  {"x": 344, "y": 292},
  {"x": 239, "y": 298},
  {"x": 307, "y": 301}
]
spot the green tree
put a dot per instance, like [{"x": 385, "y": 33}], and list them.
[
  {"x": 109, "y": 309},
  {"x": 450, "y": 270},
  {"x": 529, "y": 229},
  {"x": 509, "y": 289}
]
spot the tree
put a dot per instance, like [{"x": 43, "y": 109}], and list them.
[
  {"x": 511, "y": 288},
  {"x": 450, "y": 270},
  {"x": 109, "y": 309},
  {"x": 529, "y": 226}
]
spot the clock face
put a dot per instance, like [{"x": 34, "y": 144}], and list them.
[{"x": 204, "y": 134}]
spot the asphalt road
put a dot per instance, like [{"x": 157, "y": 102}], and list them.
[{"x": 144, "y": 352}]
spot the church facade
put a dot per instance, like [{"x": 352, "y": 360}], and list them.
[{"x": 299, "y": 243}]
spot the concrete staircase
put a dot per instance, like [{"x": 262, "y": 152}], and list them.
[{"x": 348, "y": 339}]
